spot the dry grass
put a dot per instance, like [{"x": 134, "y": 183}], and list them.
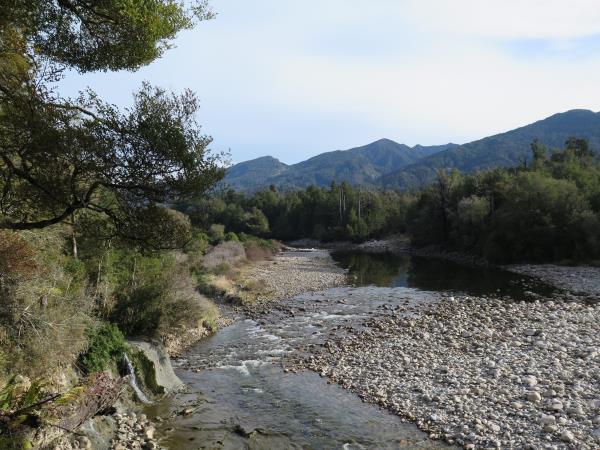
[
  {"x": 43, "y": 307},
  {"x": 226, "y": 255},
  {"x": 256, "y": 253}
]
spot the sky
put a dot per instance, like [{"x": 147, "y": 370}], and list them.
[{"x": 293, "y": 79}]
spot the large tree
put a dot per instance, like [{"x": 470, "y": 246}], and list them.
[{"x": 59, "y": 157}]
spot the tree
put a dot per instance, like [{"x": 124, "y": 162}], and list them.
[{"x": 60, "y": 156}]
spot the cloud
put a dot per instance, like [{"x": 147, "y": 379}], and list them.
[
  {"x": 508, "y": 19},
  {"x": 294, "y": 79}
]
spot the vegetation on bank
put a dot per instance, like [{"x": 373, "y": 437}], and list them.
[
  {"x": 89, "y": 251},
  {"x": 544, "y": 211},
  {"x": 547, "y": 209}
]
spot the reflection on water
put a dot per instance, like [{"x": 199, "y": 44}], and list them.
[
  {"x": 391, "y": 270},
  {"x": 241, "y": 398}
]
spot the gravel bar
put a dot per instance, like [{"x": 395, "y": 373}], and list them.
[{"x": 479, "y": 372}]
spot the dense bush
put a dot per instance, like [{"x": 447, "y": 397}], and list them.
[
  {"x": 43, "y": 309},
  {"x": 340, "y": 212},
  {"x": 156, "y": 297},
  {"x": 106, "y": 346},
  {"x": 549, "y": 211}
]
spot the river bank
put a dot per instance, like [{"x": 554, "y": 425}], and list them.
[
  {"x": 577, "y": 281},
  {"x": 582, "y": 281},
  {"x": 479, "y": 372},
  {"x": 290, "y": 273}
]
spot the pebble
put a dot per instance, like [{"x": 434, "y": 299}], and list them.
[
  {"x": 567, "y": 436},
  {"x": 480, "y": 357}
]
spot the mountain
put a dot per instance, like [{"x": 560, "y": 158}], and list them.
[
  {"x": 390, "y": 165},
  {"x": 504, "y": 150},
  {"x": 361, "y": 165},
  {"x": 251, "y": 175}
]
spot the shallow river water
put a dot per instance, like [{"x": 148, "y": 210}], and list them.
[{"x": 240, "y": 397}]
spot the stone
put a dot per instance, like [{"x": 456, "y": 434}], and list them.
[
  {"x": 530, "y": 381},
  {"x": 548, "y": 420},
  {"x": 84, "y": 442},
  {"x": 149, "y": 432},
  {"x": 494, "y": 427},
  {"x": 556, "y": 406},
  {"x": 534, "y": 396},
  {"x": 567, "y": 436}
]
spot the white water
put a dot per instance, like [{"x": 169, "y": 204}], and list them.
[{"x": 133, "y": 381}]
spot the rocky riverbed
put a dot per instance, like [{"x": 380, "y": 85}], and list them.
[
  {"x": 579, "y": 280},
  {"x": 480, "y": 372},
  {"x": 292, "y": 273}
]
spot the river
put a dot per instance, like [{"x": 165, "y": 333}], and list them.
[{"x": 240, "y": 396}]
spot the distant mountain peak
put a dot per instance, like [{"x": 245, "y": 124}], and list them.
[{"x": 385, "y": 163}]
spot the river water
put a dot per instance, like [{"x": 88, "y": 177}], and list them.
[{"x": 240, "y": 397}]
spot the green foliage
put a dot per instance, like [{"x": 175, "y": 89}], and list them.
[
  {"x": 335, "y": 213},
  {"x": 231, "y": 236},
  {"x": 152, "y": 295},
  {"x": 545, "y": 212},
  {"x": 83, "y": 161},
  {"x": 199, "y": 243},
  {"x": 106, "y": 346},
  {"x": 217, "y": 233},
  {"x": 107, "y": 35}
]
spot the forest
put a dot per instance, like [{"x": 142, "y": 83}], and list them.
[{"x": 547, "y": 209}]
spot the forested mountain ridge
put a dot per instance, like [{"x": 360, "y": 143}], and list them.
[
  {"x": 502, "y": 150},
  {"x": 390, "y": 165},
  {"x": 361, "y": 165}
]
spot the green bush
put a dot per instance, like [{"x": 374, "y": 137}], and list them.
[
  {"x": 106, "y": 345},
  {"x": 217, "y": 233},
  {"x": 199, "y": 243},
  {"x": 231, "y": 236}
]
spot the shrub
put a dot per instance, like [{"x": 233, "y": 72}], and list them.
[
  {"x": 229, "y": 253},
  {"x": 17, "y": 257},
  {"x": 159, "y": 298},
  {"x": 255, "y": 252},
  {"x": 44, "y": 311},
  {"x": 217, "y": 232},
  {"x": 231, "y": 237},
  {"x": 199, "y": 243},
  {"x": 106, "y": 345}
]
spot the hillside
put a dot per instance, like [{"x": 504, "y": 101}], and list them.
[
  {"x": 390, "y": 165},
  {"x": 361, "y": 165},
  {"x": 250, "y": 175},
  {"x": 506, "y": 149}
]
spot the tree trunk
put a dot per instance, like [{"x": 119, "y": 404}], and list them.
[{"x": 73, "y": 236}]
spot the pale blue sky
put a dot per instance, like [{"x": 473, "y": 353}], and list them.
[{"x": 295, "y": 78}]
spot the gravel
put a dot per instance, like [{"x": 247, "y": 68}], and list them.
[
  {"x": 479, "y": 372},
  {"x": 292, "y": 273},
  {"x": 581, "y": 280},
  {"x": 134, "y": 432}
]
